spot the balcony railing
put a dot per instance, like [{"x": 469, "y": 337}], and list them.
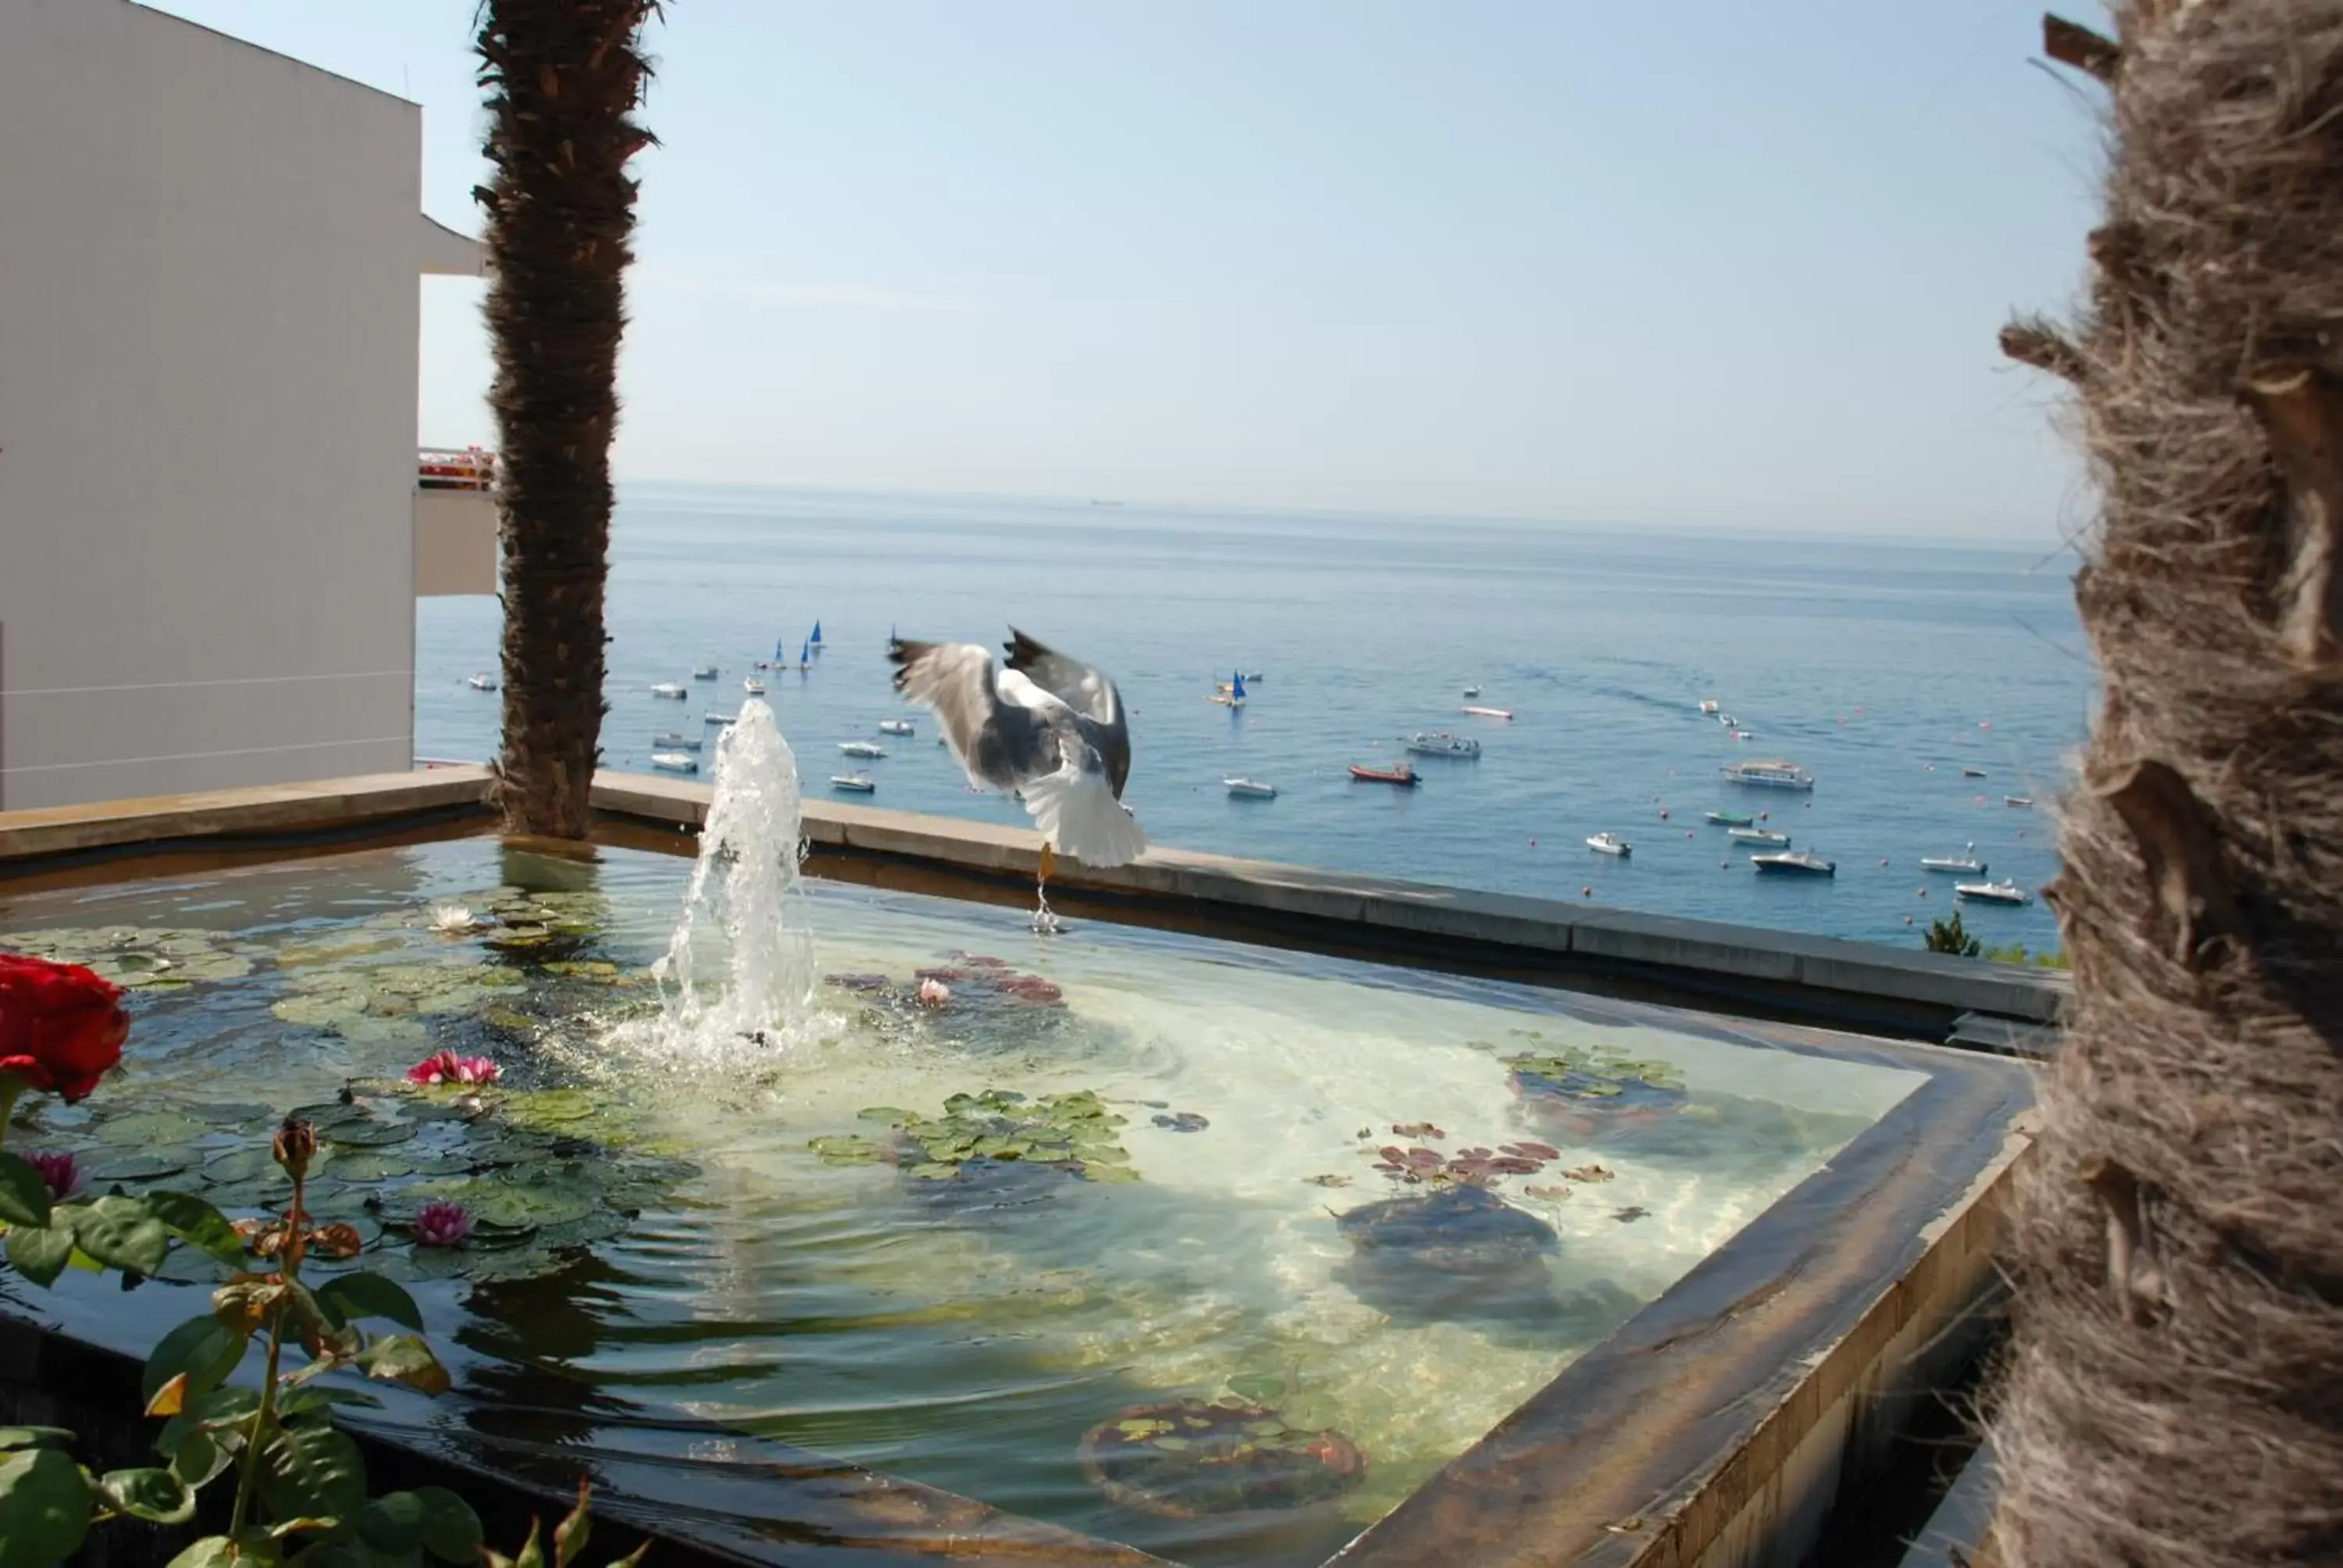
[{"x": 455, "y": 469}]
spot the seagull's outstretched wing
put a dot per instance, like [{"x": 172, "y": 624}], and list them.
[
  {"x": 1097, "y": 704},
  {"x": 1000, "y": 744}
]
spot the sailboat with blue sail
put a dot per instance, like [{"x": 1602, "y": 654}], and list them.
[
  {"x": 1230, "y": 693},
  {"x": 814, "y": 642}
]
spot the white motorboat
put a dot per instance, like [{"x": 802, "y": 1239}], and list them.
[
  {"x": 1610, "y": 844},
  {"x": 1965, "y": 860},
  {"x": 720, "y": 718},
  {"x": 675, "y": 741},
  {"x": 752, "y": 686},
  {"x": 855, "y": 783},
  {"x": 861, "y": 748},
  {"x": 894, "y": 727},
  {"x": 1442, "y": 743},
  {"x": 1759, "y": 836},
  {"x": 1796, "y": 862},
  {"x": 676, "y": 761},
  {"x": 1251, "y": 788},
  {"x": 670, "y": 689},
  {"x": 1992, "y": 892},
  {"x": 1472, "y": 691},
  {"x": 482, "y": 682},
  {"x": 1771, "y": 775},
  {"x": 1504, "y": 713},
  {"x": 703, "y": 672},
  {"x": 2021, "y": 801},
  {"x": 1708, "y": 706}
]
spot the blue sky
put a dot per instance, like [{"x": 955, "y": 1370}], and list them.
[{"x": 1713, "y": 264}]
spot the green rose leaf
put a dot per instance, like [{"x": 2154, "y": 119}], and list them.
[
  {"x": 43, "y": 1506},
  {"x": 156, "y": 1496},
  {"x": 402, "y": 1358},
  {"x": 194, "y": 1456},
  {"x": 16, "y": 1437},
  {"x": 312, "y": 1472},
  {"x": 203, "y": 1349},
  {"x": 24, "y": 1196},
  {"x": 40, "y": 1252},
  {"x": 431, "y": 1518},
  {"x": 199, "y": 1224},
  {"x": 218, "y": 1551},
  {"x": 121, "y": 1234},
  {"x": 310, "y": 1397},
  {"x": 354, "y": 1296}
]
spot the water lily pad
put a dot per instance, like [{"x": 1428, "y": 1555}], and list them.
[
  {"x": 550, "y": 1107},
  {"x": 367, "y": 1166},
  {"x": 1186, "y": 1458},
  {"x": 150, "y": 1128},
  {"x": 847, "y": 1150},
  {"x": 603, "y": 1226},
  {"x": 241, "y": 1165},
  {"x": 138, "y": 1165},
  {"x": 367, "y": 1133}
]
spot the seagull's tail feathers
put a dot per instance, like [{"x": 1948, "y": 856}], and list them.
[{"x": 1077, "y": 812}]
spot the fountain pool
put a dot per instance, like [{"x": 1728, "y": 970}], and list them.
[{"x": 1144, "y": 1242}]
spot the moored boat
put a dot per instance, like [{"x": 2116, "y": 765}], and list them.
[
  {"x": 1400, "y": 773},
  {"x": 1774, "y": 774},
  {"x": 1732, "y": 818},
  {"x": 854, "y": 783},
  {"x": 675, "y": 762},
  {"x": 482, "y": 682},
  {"x": 1965, "y": 860},
  {"x": 1442, "y": 743},
  {"x": 2020, "y": 801},
  {"x": 1610, "y": 844},
  {"x": 861, "y": 748},
  {"x": 703, "y": 672},
  {"x": 1760, "y": 836},
  {"x": 675, "y": 741},
  {"x": 752, "y": 686},
  {"x": 894, "y": 727},
  {"x": 713, "y": 717},
  {"x": 1795, "y": 862},
  {"x": 671, "y": 688},
  {"x": 1249, "y": 789},
  {"x": 1992, "y": 892},
  {"x": 1972, "y": 772},
  {"x": 1472, "y": 691},
  {"x": 1504, "y": 713},
  {"x": 1708, "y": 705}
]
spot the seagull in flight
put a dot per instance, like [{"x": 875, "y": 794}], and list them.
[{"x": 1045, "y": 727}]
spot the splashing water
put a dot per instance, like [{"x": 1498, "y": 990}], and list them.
[{"x": 746, "y": 893}]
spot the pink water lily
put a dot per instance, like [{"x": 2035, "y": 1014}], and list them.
[
  {"x": 442, "y": 1225},
  {"x": 447, "y": 1066},
  {"x": 58, "y": 1174}
]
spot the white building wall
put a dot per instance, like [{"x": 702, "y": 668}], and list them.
[{"x": 208, "y": 315}]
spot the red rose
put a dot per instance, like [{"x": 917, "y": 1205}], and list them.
[{"x": 60, "y": 1027}]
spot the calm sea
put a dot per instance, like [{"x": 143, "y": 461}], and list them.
[{"x": 1883, "y": 668}]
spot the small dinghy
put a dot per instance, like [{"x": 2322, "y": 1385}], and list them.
[
  {"x": 703, "y": 672},
  {"x": 675, "y": 762},
  {"x": 482, "y": 682},
  {"x": 1610, "y": 844},
  {"x": 1398, "y": 773},
  {"x": 752, "y": 686},
  {"x": 1760, "y": 836},
  {"x": 1992, "y": 892},
  {"x": 894, "y": 727},
  {"x": 675, "y": 741},
  {"x": 861, "y": 748},
  {"x": 671, "y": 688},
  {"x": 853, "y": 783},
  {"x": 1249, "y": 789}
]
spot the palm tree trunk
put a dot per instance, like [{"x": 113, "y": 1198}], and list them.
[
  {"x": 2176, "y": 1392},
  {"x": 564, "y": 78}
]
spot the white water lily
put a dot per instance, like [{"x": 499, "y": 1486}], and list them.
[{"x": 451, "y": 919}]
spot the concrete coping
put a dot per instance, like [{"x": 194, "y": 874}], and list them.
[{"x": 1368, "y": 910}]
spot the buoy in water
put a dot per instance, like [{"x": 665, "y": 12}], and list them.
[
  {"x": 1585, "y": 892},
  {"x": 1664, "y": 813}
]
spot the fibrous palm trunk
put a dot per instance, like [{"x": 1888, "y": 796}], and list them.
[
  {"x": 564, "y": 79},
  {"x": 2176, "y": 1392}
]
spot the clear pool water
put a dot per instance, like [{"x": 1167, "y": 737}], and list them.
[{"x": 1208, "y": 1249}]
